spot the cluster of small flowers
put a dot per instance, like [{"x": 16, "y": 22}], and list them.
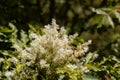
[
  {"x": 55, "y": 45},
  {"x": 51, "y": 50}
]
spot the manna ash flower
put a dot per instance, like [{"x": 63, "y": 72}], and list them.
[{"x": 48, "y": 53}]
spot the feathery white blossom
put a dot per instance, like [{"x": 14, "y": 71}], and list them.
[
  {"x": 9, "y": 73},
  {"x": 51, "y": 50},
  {"x": 43, "y": 63}
]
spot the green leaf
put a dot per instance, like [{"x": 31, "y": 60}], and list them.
[
  {"x": 61, "y": 77},
  {"x": 6, "y": 53},
  {"x": 92, "y": 67},
  {"x": 98, "y": 11},
  {"x": 32, "y": 28},
  {"x": 117, "y": 14},
  {"x": 95, "y": 20},
  {"x": 13, "y": 27},
  {"x": 107, "y": 21},
  {"x": 5, "y": 29},
  {"x": 34, "y": 76},
  {"x": 24, "y": 37},
  {"x": 89, "y": 77},
  {"x": 19, "y": 67},
  {"x": 88, "y": 57},
  {"x": 103, "y": 61},
  {"x": 6, "y": 64},
  {"x": 14, "y": 33},
  {"x": 99, "y": 25}
]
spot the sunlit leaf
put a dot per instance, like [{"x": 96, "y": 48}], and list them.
[
  {"x": 92, "y": 67},
  {"x": 6, "y": 64},
  {"x": 98, "y": 11},
  {"x": 89, "y": 77},
  {"x": 115, "y": 59},
  {"x": 13, "y": 27},
  {"x": 19, "y": 67},
  {"x": 5, "y": 29},
  {"x": 24, "y": 37},
  {"x": 61, "y": 77},
  {"x": 89, "y": 57},
  {"x": 117, "y": 14},
  {"x": 6, "y": 53}
]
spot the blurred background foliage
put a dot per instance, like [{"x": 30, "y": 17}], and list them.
[{"x": 98, "y": 20}]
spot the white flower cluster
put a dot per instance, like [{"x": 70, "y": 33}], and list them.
[
  {"x": 51, "y": 50},
  {"x": 53, "y": 46}
]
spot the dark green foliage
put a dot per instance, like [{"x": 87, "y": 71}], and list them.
[{"x": 98, "y": 20}]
